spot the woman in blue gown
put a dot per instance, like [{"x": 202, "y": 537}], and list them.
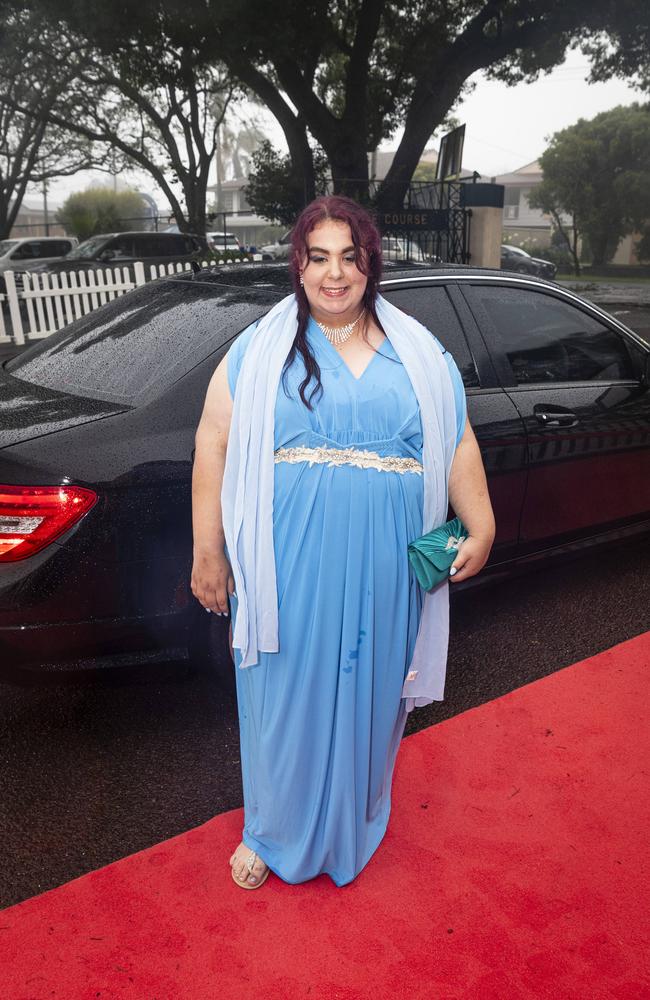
[{"x": 321, "y": 719}]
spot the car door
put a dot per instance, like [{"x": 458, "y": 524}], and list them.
[
  {"x": 494, "y": 418},
  {"x": 577, "y": 382}
]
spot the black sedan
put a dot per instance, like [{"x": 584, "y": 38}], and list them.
[
  {"x": 97, "y": 435},
  {"x": 517, "y": 260}
]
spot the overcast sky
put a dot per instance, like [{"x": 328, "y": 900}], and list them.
[{"x": 507, "y": 127}]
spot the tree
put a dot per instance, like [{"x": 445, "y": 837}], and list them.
[
  {"x": 31, "y": 152},
  {"x": 273, "y": 191},
  {"x": 598, "y": 173},
  {"x": 425, "y": 171},
  {"x": 160, "y": 113},
  {"x": 348, "y": 73},
  {"x": 100, "y": 210}
]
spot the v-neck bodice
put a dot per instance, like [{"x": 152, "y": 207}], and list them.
[
  {"x": 377, "y": 411},
  {"x": 316, "y": 333}
]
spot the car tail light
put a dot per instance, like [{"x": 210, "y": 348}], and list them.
[{"x": 33, "y": 516}]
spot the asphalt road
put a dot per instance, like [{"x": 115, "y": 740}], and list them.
[{"x": 95, "y": 770}]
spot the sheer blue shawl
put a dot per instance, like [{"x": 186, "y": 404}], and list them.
[{"x": 247, "y": 493}]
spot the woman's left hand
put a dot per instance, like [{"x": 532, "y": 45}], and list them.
[{"x": 472, "y": 557}]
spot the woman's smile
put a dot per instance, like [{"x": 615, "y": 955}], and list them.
[{"x": 332, "y": 282}]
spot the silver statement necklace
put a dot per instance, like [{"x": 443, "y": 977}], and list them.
[{"x": 338, "y": 335}]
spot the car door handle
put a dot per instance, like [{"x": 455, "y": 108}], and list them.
[{"x": 553, "y": 418}]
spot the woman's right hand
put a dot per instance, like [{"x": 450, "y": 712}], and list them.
[{"x": 212, "y": 581}]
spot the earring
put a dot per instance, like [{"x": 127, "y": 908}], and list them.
[{"x": 301, "y": 281}]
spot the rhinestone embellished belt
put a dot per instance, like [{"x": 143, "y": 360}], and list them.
[{"x": 349, "y": 456}]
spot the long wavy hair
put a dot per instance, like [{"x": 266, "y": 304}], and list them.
[{"x": 367, "y": 244}]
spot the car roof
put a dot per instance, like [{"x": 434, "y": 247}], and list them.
[
  {"x": 270, "y": 274},
  {"x": 136, "y": 232},
  {"x": 41, "y": 239},
  {"x": 269, "y": 280}
]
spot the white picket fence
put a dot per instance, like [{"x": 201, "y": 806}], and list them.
[{"x": 43, "y": 303}]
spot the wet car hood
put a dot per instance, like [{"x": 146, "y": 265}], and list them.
[{"x": 30, "y": 411}]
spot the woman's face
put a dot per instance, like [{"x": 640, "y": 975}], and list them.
[{"x": 333, "y": 284}]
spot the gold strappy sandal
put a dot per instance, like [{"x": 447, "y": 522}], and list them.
[{"x": 250, "y": 864}]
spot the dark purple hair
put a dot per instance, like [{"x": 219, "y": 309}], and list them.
[{"x": 367, "y": 243}]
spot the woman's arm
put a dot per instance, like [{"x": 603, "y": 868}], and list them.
[
  {"x": 212, "y": 578},
  {"x": 468, "y": 495}
]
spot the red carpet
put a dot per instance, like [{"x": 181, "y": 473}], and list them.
[{"x": 514, "y": 866}]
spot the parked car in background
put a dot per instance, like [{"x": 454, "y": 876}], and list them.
[
  {"x": 22, "y": 254},
  {"x": 398, "y": 248},
  {"x": 117, "y": 249},
  {"x": 218, "y": 242},
  {"x": 279, "y": 250},
  {"x": 517, "y": 260},
  {"x": 97, "y": 426}
]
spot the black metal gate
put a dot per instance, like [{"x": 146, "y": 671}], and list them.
[{"x": 433, "y": 225}]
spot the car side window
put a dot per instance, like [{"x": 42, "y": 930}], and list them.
[
  {"x": 58, "y": 248},
  {"x": 432, "y": 307},
  {"x": 120, "y": 247},
  {"x": 548, "y": 340},
  {"x": 29, "y": 251},
  {"x": 161, "y": 245},
  {"x": 191, "y": 245}
]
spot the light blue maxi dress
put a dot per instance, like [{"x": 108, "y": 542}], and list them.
[{"x": 321, "y": 720}]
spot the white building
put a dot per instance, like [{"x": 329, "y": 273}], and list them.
[
  {"x": 31, "y": 221},
  {"x": 248, "y": 227}
]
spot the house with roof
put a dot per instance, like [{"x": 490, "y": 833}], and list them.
[
  {"x": 33, "y": 221},
  {"x": 523, "y": 224}
]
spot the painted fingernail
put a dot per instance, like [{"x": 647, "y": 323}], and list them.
[
  {"x": 208, "y": 610},
  {"x": 452, "y": 571},
  {"x": 252, "y": 879}
]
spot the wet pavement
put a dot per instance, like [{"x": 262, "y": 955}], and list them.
[
  {"x": 100, "y": 768},
  {"x": 627, "y": 301},
  {"x": 615, "y": 293}
]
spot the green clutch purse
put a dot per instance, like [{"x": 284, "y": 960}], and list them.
[{"x": 432, "y": 554}]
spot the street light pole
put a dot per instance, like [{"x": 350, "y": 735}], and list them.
[{"x": 45, "y": 215}]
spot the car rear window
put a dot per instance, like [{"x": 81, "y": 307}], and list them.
[{"x": 138, "y": 345}]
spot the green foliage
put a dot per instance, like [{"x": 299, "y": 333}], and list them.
[
  {"x": 425, "y": 171},
  {"x": 598, "y": 173},
  {"x": 100, "y": 210},
  {"x": 274, "y": 191}
]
